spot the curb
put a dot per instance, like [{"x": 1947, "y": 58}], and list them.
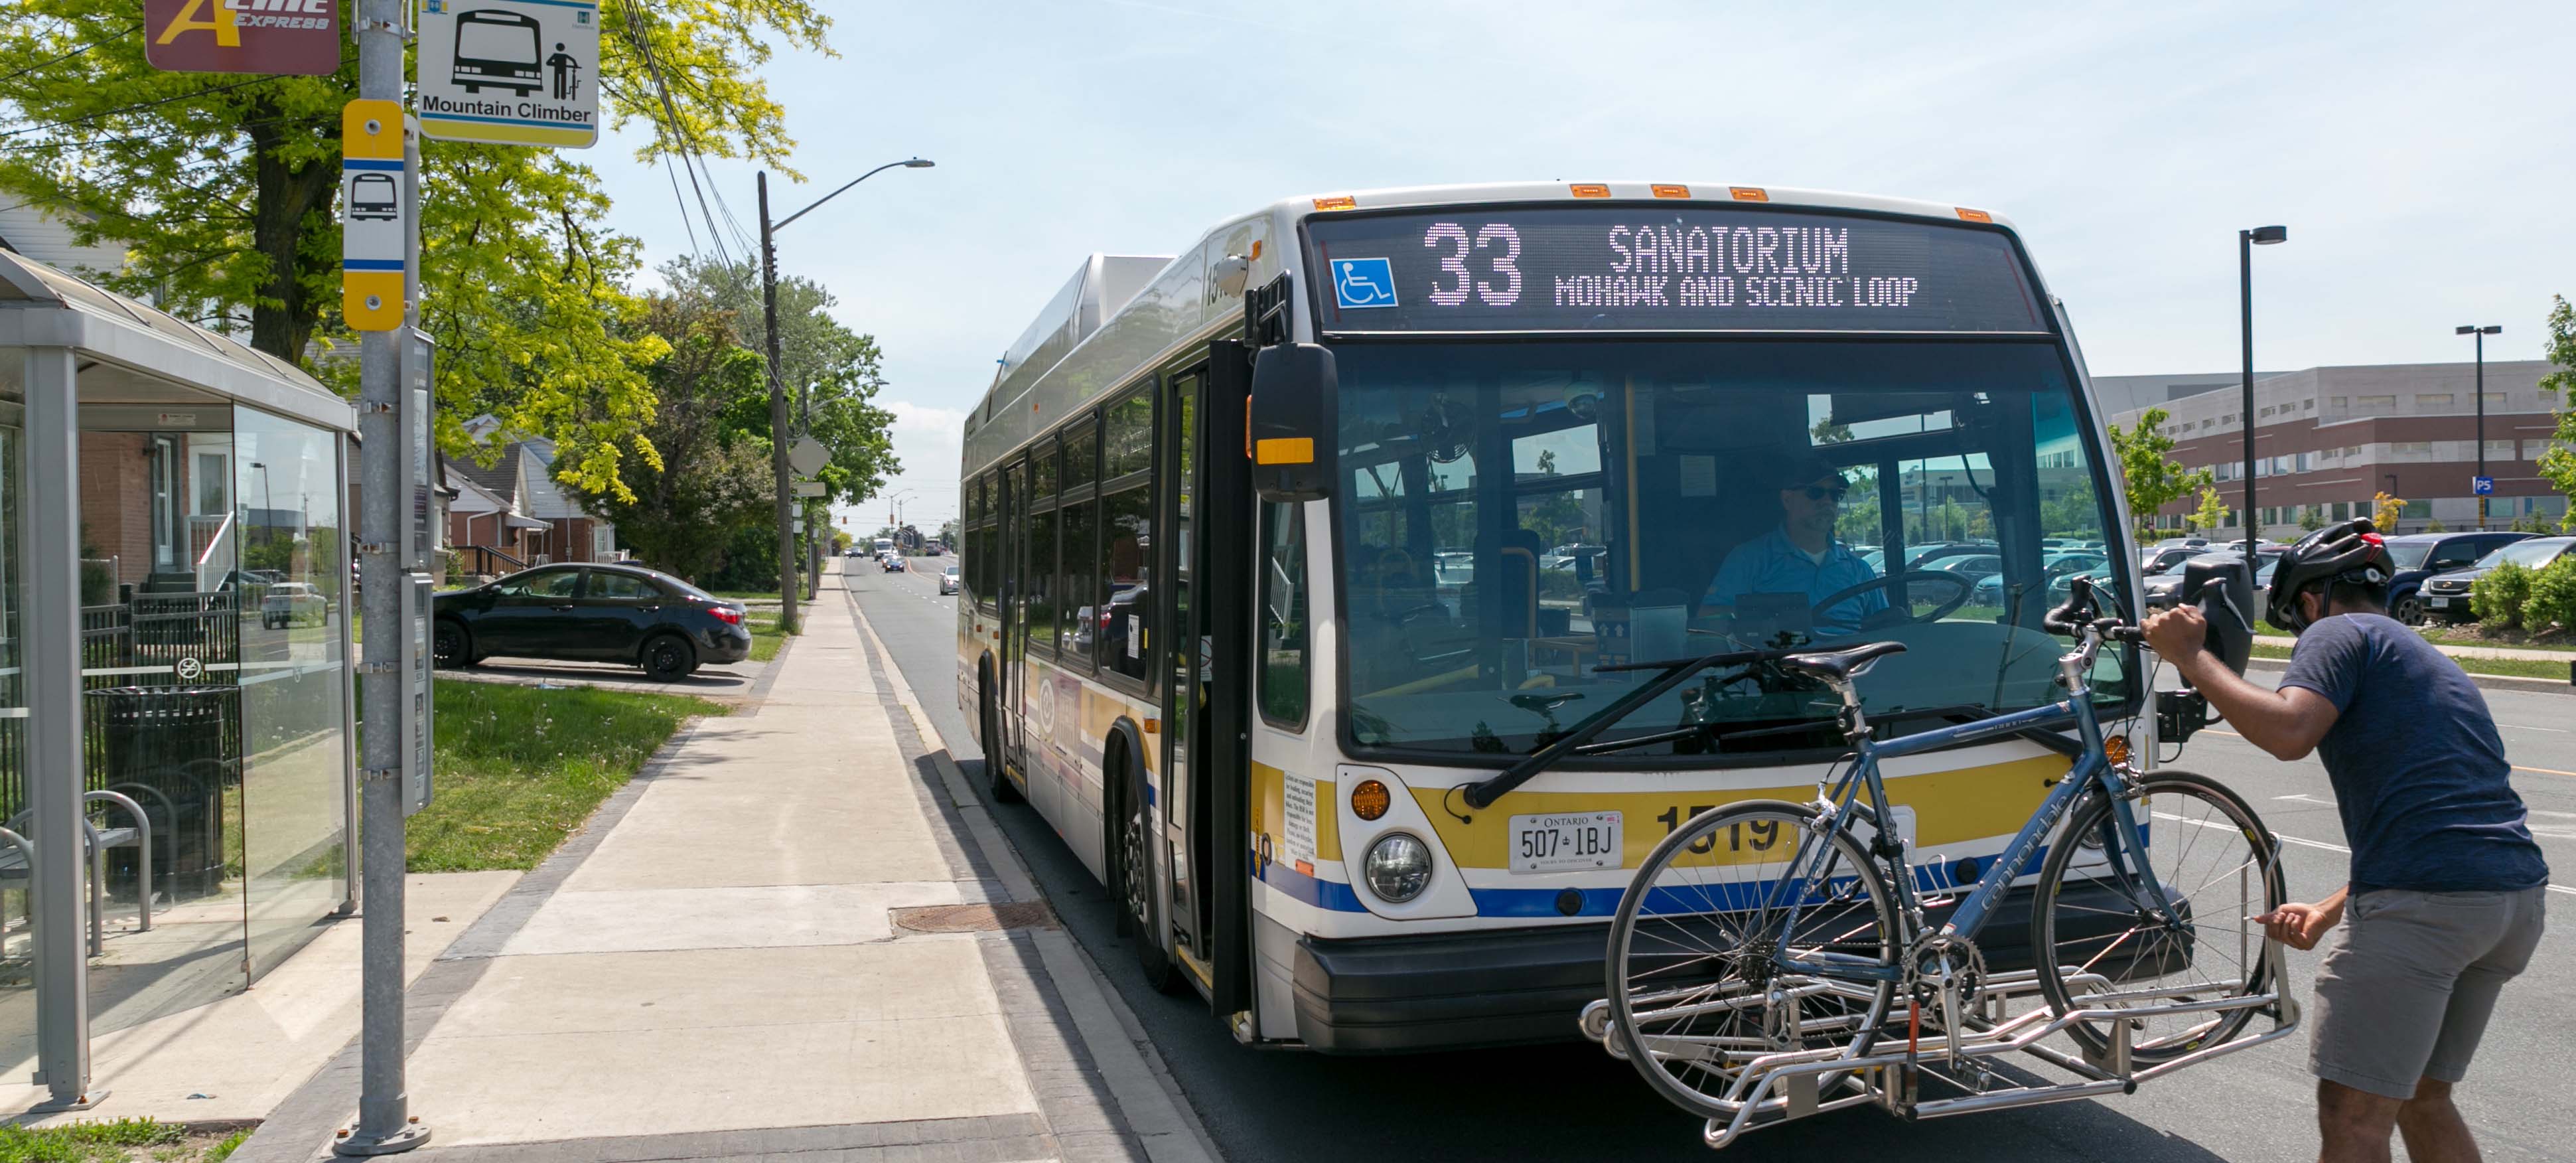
[
  {"x": 2493, "y": 682},
  {"x": 1138, "y": 1079}
]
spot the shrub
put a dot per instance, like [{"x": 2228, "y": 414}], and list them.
[
  {"x": 2553, "y": 596},
  {"x": 2499, "y": 598}
]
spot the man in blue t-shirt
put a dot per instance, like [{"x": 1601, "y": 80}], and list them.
[
  {"x": 1801, "y": 557},
  {"x": 2447, "y": 890}
]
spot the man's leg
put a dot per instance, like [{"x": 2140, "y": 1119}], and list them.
[
  {"x": 2433, "y": 1128},
  {"x": 2354, "y": 1124}
]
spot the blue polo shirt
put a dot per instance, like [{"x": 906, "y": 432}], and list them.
[{"x": 1772, "y": 564}]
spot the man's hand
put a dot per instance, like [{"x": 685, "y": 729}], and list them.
[
  {"x": 2177, "y": 634},
  {"x": 2302, "y": 926}
]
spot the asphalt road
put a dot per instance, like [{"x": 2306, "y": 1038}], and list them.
[{"x": 1572, "y": 1101}]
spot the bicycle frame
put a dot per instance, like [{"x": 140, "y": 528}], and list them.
[{"x": 1843, "y": 801}]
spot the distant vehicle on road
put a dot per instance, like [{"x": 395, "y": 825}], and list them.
[
  {"x": 948, "y": 580},
  {"x": 2446, "y": 596},
  {"x": 893, "y": 562},
  {"x": 2163, "y": 588},
  {"x": 590, "y": 613}
]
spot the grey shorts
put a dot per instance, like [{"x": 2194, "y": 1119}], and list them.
[{"x": 2407, "y": 990}]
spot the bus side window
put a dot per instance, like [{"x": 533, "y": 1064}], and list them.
[{"x": 1284, "y": 640}]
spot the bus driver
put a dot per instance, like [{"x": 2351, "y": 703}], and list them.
[{"x": 1800, "y": 560}]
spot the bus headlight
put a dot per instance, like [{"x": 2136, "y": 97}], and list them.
[{"x": 1398, "y": 867}]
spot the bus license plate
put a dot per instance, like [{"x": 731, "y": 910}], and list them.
[{"x": 1565, "y": 840}]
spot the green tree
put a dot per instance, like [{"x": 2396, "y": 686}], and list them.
[
  {"x": 2148, "y": 473},
  {"x": 714, "y": 477},
  {"x": 222, "y": 190},
  {"x": 2212, "y": 512},
  {"x": 828, "y": 368},
  {"x": 2559, "y": 463},
  {"x": 2312, "y": 517}
]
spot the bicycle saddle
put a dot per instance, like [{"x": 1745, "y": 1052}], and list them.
[{"x": 1842, "y": 665}]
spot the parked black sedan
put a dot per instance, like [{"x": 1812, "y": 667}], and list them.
[
  {"x": 591, "y": 613},
  {"x": 2421, "y": 555},
  {"x": 2446, "y": 595}
]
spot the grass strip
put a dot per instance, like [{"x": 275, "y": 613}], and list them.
[
  {"x": 519, "y": 768},
  {"x": 116, "y": 1141},
  {"x": 766, "y": 639},
  {"x": 2507, "y": 667}
]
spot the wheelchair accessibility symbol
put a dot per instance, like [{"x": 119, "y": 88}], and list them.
[{"x": 1363, "y": 282}]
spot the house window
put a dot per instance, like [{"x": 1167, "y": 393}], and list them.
[
  {"x": 2269, "y": 411},
  {"x": 2342, "y": 401},
  {"x": 2429, "y": 401},
  {"x": 2410, "y": 448},
  {"x": 2308, "y": 405},
  {"x": 2499, "y": 450},
  {"x": 2375, "y": 403}
]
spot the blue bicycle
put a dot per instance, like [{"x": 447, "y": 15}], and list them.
[{"x": 1765, "y": 937}]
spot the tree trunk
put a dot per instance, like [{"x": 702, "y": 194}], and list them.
[{"x": 284, "y": 317}]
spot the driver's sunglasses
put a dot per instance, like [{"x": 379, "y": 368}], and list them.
[{"x": 1821, "y": 492}]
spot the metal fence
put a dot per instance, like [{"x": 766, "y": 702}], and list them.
[{"x": 177, "y": 640}]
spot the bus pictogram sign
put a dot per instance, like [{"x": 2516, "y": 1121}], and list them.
[{"x": 510, "y": 72}]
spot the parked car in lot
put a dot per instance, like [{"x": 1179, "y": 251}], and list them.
[
  {"x": 948, "y": 580},
  {"x": 2446, "y": 595},
  {"x": 2164, "y": 588},
  {"x": 2422, "y": 555},
  {"x": 2057, "y": 567},
  {"x": 602, "y": 613},
  {"x": 292, "y": 604}
]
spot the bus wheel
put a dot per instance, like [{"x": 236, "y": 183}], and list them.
[
  {"x": 997, "y": 782},
  {"x": 1135, "y": 873}
]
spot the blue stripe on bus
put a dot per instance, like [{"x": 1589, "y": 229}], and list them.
[{"x": 1597, "y": 902}]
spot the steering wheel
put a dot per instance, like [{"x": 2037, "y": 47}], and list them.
[{"x": 1895, "y": 614}]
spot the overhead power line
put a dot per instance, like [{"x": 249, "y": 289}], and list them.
[{"x": 55, "y": 60}]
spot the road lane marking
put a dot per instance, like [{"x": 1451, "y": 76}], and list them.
[
  {"x": 2551, "y": 730},
  {"x": 2305, "y": 797},
  {"x": 2515, "y": 766},
  {"x": 2304, "y": 843}
]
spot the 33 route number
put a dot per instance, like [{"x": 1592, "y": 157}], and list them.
[{"x": 1503, "y": 263}]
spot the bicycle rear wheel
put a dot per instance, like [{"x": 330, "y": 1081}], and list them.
[
  {"x": 1694, "y": 993},
  {"x": 2096, "y": 932}
]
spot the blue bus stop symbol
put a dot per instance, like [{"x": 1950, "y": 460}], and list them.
[
  {"x": 2482, "y": 486},
  {"x": 1363, "y": 282}
]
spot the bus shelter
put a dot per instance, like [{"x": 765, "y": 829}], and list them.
[{"x": 176, "y": 691}]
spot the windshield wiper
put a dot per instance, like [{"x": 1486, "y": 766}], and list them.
[{"x": 1482, "y": 794}]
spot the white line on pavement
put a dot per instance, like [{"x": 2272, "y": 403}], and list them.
[
  {"x": 2516, "y": 767},
  {"x": 2306, "y": 798},
  {"x": 2298, "y": 841}
]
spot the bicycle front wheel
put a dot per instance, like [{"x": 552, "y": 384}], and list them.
[
  {"x": 1696, "y": 990},
  {"x": 2104, "y": 942}
]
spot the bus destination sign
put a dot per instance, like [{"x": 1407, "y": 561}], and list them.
[
  {"x": 1626, "y": 268},
  {"x": 510, "y": 72}
]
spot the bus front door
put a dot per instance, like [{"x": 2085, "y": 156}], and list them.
[
  {"x": 1208, "y": 699},
  {"x": 1015, "y": 617}
]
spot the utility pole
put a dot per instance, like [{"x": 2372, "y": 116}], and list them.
[
  {"x": 385, "y": 1125},
  {"x": 2246, "y": 241},
  {"x": 786, "y": 507},
  {"x": 778, "y": 437},
  {"x": 2481, "y": 333}
]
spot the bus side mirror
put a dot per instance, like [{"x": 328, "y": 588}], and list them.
[{"x": 1294, "y": 422}]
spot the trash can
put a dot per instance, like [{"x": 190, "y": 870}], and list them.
[{"x": 170, "y": 748}]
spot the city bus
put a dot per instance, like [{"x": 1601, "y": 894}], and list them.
[{"x": 1276, "y": 550}]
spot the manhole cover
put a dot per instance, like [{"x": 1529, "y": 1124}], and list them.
[{"x": 975, "y": 918}]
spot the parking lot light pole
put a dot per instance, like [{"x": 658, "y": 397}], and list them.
[
  {"x": 780, "y": 474},
  {"x": 2481, "y": 333},
  {"x": 2246, "y": 241}
]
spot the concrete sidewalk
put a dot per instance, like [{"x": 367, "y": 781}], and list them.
[
  {"x": 2517, "y": 653},
  {"x": 782, "y": 940}
]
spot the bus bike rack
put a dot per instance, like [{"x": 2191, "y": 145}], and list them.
[{"x": 1774, "y": 1088}]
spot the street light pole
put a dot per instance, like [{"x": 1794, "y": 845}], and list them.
[
  {"x": 2246, "y": 241},
  {"x": 778, "y": 437},
  {"x": 2481, "y": 333}
]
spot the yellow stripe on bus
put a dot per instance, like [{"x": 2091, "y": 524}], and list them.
[
  {"x": 1270, "y": 814},
  {"x": 1950, "y": 807}
]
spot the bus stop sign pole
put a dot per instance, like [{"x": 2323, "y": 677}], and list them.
[{"x": 385, "y": 1125}]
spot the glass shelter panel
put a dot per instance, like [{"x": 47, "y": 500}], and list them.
[{"x": 293, "y": 627}]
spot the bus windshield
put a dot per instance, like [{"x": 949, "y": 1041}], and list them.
[{"x": 1514, "y": 515}]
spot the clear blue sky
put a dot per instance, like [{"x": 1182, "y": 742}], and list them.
[{"x": 2420, "y": 154}]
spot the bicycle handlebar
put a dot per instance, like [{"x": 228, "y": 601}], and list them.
[{"x": 2080, "y": 612}]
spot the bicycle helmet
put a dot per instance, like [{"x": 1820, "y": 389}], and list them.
[{"x": 2348, "y": 552}]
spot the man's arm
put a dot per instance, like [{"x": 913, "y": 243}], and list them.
[{"x": 2287, "y": 722}]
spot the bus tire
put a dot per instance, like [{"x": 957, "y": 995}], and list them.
[
  {"x": 1131, "y": 864},
  {"x": 988, "y": 724}
]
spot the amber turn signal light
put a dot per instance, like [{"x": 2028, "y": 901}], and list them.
[{"x": 1370, "y": 799}]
